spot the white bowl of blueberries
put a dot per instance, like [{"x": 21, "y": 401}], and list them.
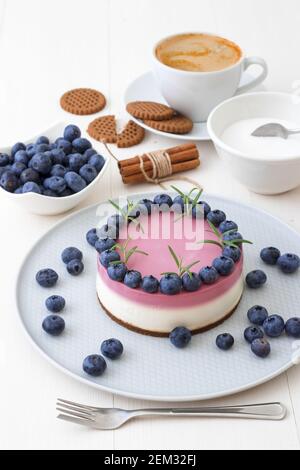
[{"x": 49, "y": 175}]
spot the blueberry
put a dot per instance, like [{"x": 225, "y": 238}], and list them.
[
  {"x": 71, "y": 253},
  {"x": 18, "y": 168},
  {"x": 72, "y": 132},
  {"x": 117, "y": 272},
  {"x": 232, "y": 252},
  {"x": 4, "y": 169},
  {"x": 55, "y": 303},
  {"x": 116, "y": 221},
  {"x": 104, "y": 244},
  {"x": 75, "y": 267},
  {"x": 22, "y": 157},
  {"x": 81, "y": 145},
  {"x": 170, "y": 284},
  {"x": 145, "y": 206},
  {"x": 163, "y": 201},
  {"x": 289, "y": 263},
  {"x": 31, "y": 187},
  {"x": 150, "y": 284},
  {"x": 19, "y": 190},
  {"x": 225, "y": 341},
  {"x": 75, "y": 182},
  {"x": 108, "y": 256},
  {"x": 89, "y": 153},
  {"x": 94, "y": 365},
  {"x": 112, "y": 348},
  {"x": 178, "y": 204},
  {"x": 88, "y": 173},
  {"x": 43, "y": 140},
  {"x": 9, "y": 181},
  {"x": 4, "y": 159},
  {"x": 30, "y": 150},
  {"x": 256, "y": 279},
  {"x": 29, "y": 175},
  {"x": 59, "y": 157},
  {"x": 41, "y": 148},
  {"x": 274, "y": 326},
  {"x": 92, "y": 237},
  {"x": 270, "y": 255},
  {"x": 206, "y": 209},
  {"x": 47, "y": 278},
  {"x": 233, "y": 237},
  {"x": 67, "y": 192},
  {"x": 108, "y": 231},
  {"x": 252, "y": 333},
  {"x": 292, "y": 327},
  {"x": 257, "y": 315},
  {"x": 228, "y": 225},
  {"x": 97, "y": 161},
  {"x": 223, "y": 265},
  {"x": 198, "y": 212},
  {"x": 54, "y": 325},
  {"x": 58, "y": 170},
  {"x": 209, "y": 275},
  {"x": 57, "y": 184},
  {"x": 191, "y": 282},
  {"x": 65, "y": 145},
  {"x": 49, "y": 193},
  {"x": 216, "y": 217},
  {"x": 41, "y": 163},
  {"x": 17, "y": 147},
  {"x": 261, "y": 348},
  {"x": 180, "y": 337},
  {"x": 76, "y": 161},
  {"x": 133, "y": 279}
]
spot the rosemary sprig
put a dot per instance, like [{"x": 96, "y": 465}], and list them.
[
  {"x": 189, "y": 201},
  {"x": 179, "y": 263},
  {"x": 220, "y": 238},
  {"x": 125, "y": 252},
  {"x": 127, "y": 214}
]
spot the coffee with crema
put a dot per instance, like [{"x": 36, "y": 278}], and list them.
[{"x": 198, "y": 52}]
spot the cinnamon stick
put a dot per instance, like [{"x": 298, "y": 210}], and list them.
[
  {"x": 175, "y": 158},
  {"x": 177, "y": 168},
  {"x": 172, "y": 151}
]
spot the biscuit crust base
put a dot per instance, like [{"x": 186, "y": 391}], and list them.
[{"x": 158, "y": 334}]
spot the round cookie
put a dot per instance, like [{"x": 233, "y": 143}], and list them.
[
  {"x": 177, "y": 125},
  {"x": 83, "y": 101},
  {"x": 104, "y": 129},
  {"x": 133, "y": 134},
  {"x": 149, "y": 110}
]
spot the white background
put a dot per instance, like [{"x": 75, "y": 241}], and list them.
[{"x": 48, "y": 47}]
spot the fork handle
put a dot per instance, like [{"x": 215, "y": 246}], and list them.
[
  {"x": 293, "y": 131},
  {"x": 264, "y": 411}
]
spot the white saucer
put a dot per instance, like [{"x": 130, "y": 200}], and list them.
[{"x": 144, "y": 88}]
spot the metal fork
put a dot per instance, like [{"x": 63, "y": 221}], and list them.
[{"x": 112, "y": 418}]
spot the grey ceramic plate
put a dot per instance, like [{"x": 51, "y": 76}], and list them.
[{"x": 151, "y": 368}]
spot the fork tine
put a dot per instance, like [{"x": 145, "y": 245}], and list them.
[
  {"x": 78, "y": 405},
  {"x": 71, "y": 419},
  {"x": 82, "y": 411},
  {"x": 76, "y": 415}
]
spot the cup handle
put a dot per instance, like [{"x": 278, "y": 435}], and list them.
[{"x": 258, "y": 80}]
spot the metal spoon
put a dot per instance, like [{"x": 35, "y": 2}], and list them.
[{"x": 274, "y": 130}]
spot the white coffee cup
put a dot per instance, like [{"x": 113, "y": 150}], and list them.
[{"x": 196, "y": 94}]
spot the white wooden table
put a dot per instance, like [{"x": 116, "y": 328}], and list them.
[{"x": 48, "y": 47}]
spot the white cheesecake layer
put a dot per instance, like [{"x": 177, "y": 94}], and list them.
[{"x": 161, "y": 320}]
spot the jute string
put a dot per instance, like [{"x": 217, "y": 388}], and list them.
[{"x": 161, "y": 168}]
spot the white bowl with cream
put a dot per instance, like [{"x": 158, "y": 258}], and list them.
[{"x": 265, "y": 165}]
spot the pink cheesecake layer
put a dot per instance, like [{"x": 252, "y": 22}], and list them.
[{"x": 159, "y": 232}]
